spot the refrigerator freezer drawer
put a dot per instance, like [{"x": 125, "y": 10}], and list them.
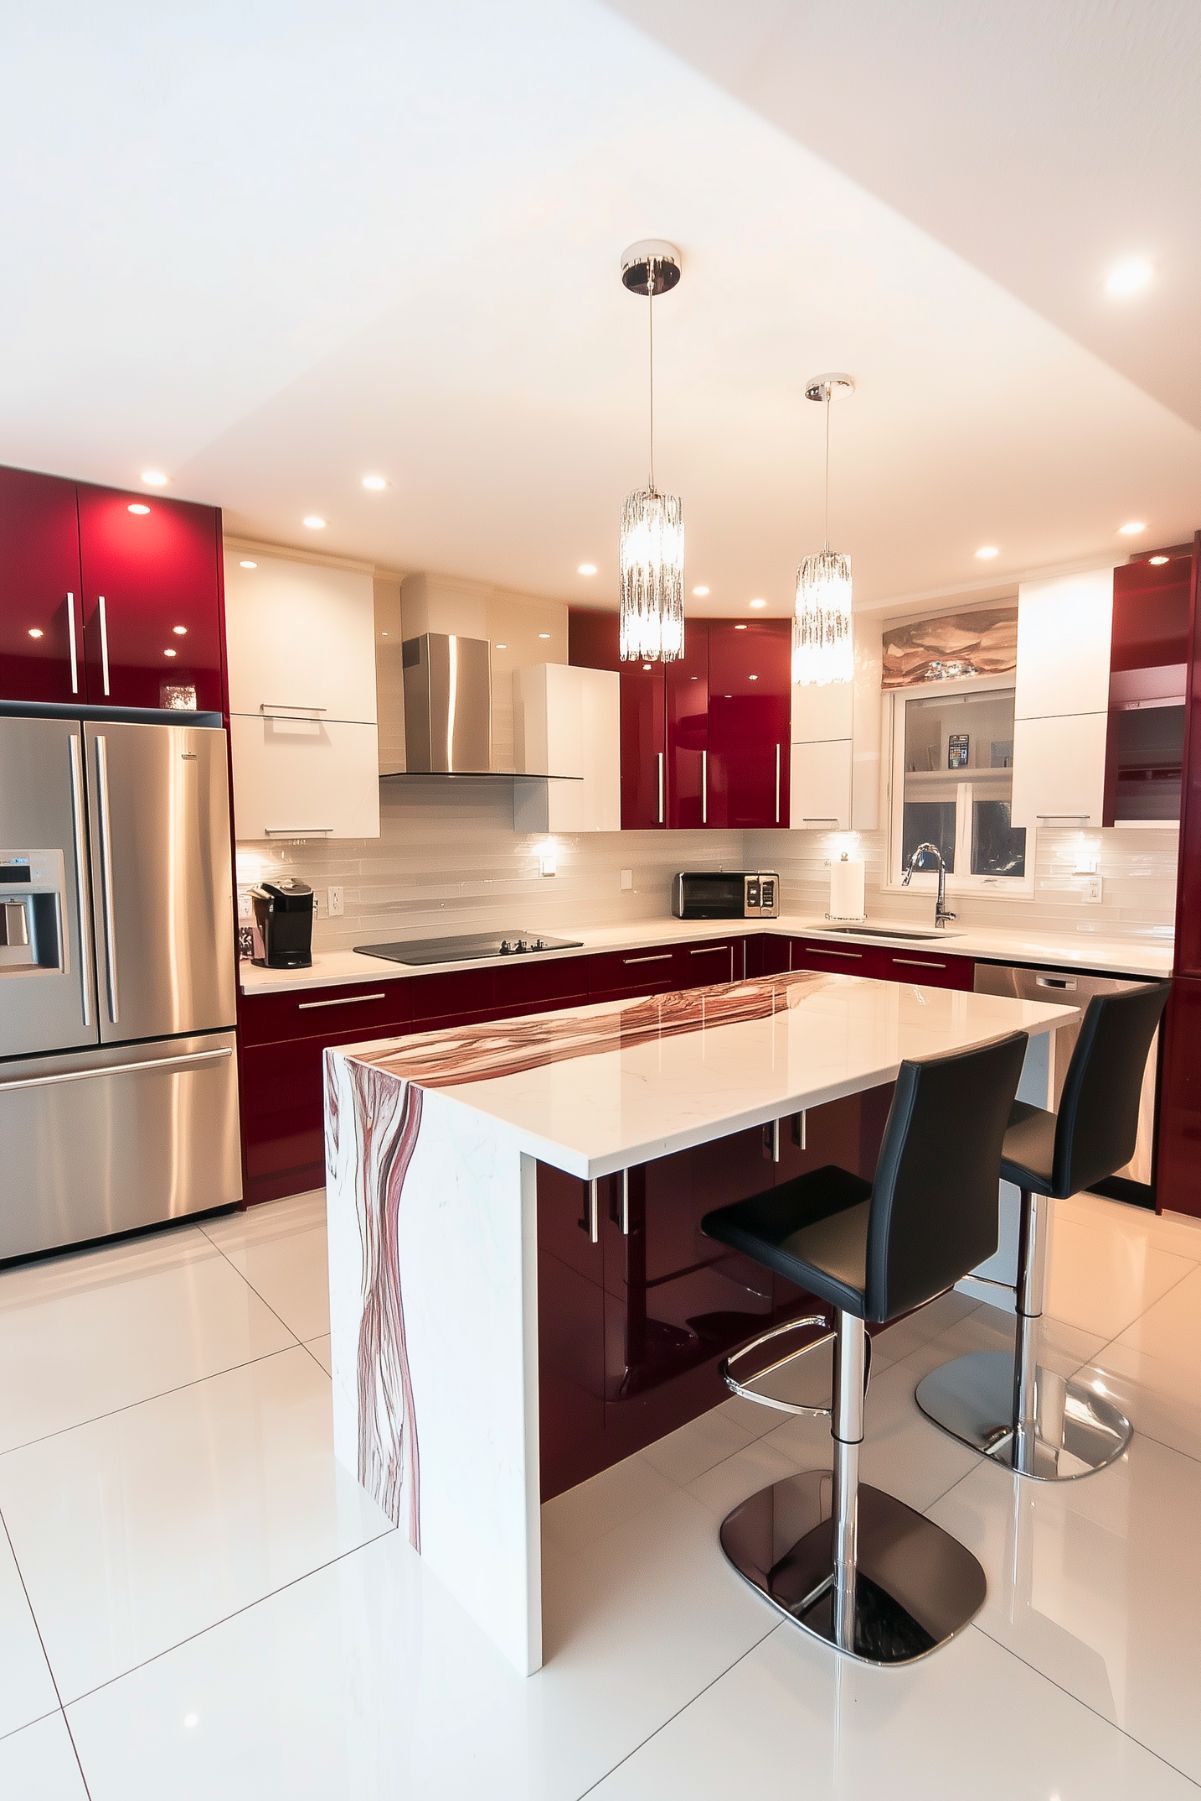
[{"x": 107, "y": 1140}]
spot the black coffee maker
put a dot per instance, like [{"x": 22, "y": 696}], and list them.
[{"x": 283, "y": 912}]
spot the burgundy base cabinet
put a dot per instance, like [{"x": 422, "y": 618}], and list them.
[
  {"x": 924, "y": 968},
  {"x": 1178, "y": 1167},
  {"x": 631, "y": 1329}
]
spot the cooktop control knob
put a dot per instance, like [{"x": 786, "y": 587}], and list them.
[
  {"x": 506, "y": 949},
  {"x": 520, "y": 946}
]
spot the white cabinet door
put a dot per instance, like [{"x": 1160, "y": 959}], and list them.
[
  {"x": 1064, "y": 632},
  {"x": 821, "y": 786},
  {"x": 304, "y": 778},
  {"x": 300, "y": 638},
  {"x": 825, "y": 712},
  {"x": 1059, "y": 770},
  {"x": 567, "y": 722}
]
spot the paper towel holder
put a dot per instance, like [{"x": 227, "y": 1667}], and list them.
[{"x": 846, "y": 918}]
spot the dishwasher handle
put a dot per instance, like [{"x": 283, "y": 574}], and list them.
[{"x": 1061, "y": 983}]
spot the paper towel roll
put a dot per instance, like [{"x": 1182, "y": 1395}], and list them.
[{"x": 846, "y": 888}]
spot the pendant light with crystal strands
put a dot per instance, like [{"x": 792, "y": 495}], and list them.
[
  {"x": 651, "y": 554},
  {"x": 822, "y": 648}
]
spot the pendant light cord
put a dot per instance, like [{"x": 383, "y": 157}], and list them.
[
  {"x": 650, "y": 319},
  {"x": 827, "y": 466}
]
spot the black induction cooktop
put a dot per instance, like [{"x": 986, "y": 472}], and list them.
[{"x": 466, "y": 949}]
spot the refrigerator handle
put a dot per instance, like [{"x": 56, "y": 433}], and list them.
[
  {"x": 106, "y": 878},
  {"x": 86, "y": 970}
]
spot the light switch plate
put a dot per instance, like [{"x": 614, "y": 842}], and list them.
[
  {"x": 1091, "y": 888},
  {"x": 626, "y": 880},
  {"x": 334, "y": 904}
]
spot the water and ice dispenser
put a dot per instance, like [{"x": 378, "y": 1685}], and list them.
[{"x": 32, "y": 934}]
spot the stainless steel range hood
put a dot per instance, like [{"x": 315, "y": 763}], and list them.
[{"x": 448, "y": 705}]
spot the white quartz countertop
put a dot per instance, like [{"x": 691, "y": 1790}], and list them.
[
  {"x": 1084, "y": 950},
  {"x": 594, "y": 1089}
]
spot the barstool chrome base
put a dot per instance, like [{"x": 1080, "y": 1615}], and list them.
[
  {"x": 1076, "y": 1429},
  {"x": 915, "y": 1586}
]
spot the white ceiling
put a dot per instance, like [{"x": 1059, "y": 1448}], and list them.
[{"x": 269, "y": 247}]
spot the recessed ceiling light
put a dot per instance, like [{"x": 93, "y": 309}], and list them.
[
  {"x": 1158, "y": 560},
  {"x": 35, "y": 631},
  {"x": 701, "y": 592},
  {"x": 752, "y": 678},
  {"x": 375, "y": 484},
  {"x": 246, "y": 563},
  {"x": 139, "y": 507},
  {"x": 544, "y": 634},
  {"x": 586, "y": 569},
  {"x": 646, "y": 665},
  {"x": 314, "y": 521},
  {"x": 1130, "y": 276},
  {"x": 986, "y": 551},
  {"x": 169, "y": 653},
  {"x": 501, "y": 647},
  {"x": 740, "y": 628},
  {"x": 1132, "y": 528},
  {"x": 154, "y": 478},
  {"x": 181, "y": 631},
  {"x": 758, "y": 604}
]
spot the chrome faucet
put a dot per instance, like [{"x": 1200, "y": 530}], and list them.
[{"x": 941, "y": 915}]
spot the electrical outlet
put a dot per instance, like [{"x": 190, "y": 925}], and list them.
[
  {"x": 1091, "y": 887},
  {"x": 334, "y": 903},
  {"x": 625, "y": 880},
  {"x": 245, "y": 904}
]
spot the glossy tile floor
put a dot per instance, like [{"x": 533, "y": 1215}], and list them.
[{"x": 196, "y": 1602}]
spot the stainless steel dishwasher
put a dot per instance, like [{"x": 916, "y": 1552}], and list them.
[{"x": 1134, "y": 1183}]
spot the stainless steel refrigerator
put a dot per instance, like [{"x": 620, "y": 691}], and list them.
[{"x": 118, "y": 1074}]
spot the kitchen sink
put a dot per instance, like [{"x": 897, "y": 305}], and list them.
[{"x": 930, "y": 932}]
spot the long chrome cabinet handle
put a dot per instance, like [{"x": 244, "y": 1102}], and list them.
[
  {"x": 1063, "y": 815},
  {"x": 625, "y": 1203},
  {"x": 102, "y": 606},
  {"x": 295, "y": 831},
  {"x": 659, "y": 957},
  {"x": 80, "y": 838},
  {"x": 820, "y": 818},
  {"x": 594, "y": 1211},
  {"x": 288, "y": 706},
  {"x": 347, "y": 1000},
  {"x": 777, "y": 784},
  {"x": 73, "y": 645},
  {"x": 104, "y": 819},
  {"x": 918, "y": 963},
  {"x": 826, "y": 950},
  {"x": 704, "y": 787},
  {"x": 113, "y": 1069},
  {"x": 659, "y": 760},
  {"x": 709, "y": 950}
]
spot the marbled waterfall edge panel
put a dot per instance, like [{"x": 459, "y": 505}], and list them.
[{"x": 432, "y": 1273}]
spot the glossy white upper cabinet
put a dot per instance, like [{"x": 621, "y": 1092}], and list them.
[
  {"x": 304, "y": 778},
  {"x": 1065, "y": 627},
  {"x": 820, "y": 713},
  {"x": 820, "y": 786},
  {"x": 567, "y": 722},
  {"x": 300, "y": 638},
  {"x": 1059, "y": 770}
]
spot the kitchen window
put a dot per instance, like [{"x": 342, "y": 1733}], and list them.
[{"x": 953, "y": 786}]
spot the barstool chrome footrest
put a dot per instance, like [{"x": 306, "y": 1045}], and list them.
[
  {"x": 1075, "y": 1429},
  {"x": 915, "y": 1585},
  {"x": 725, "y": 1368}
]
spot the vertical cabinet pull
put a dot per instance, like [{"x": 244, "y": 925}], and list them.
[
  {"x": 74, "y": 648},
  {"x": 704, "y": 787},
  {"x": 777, "y": 784},
  {"x": 103, "y": 610},
  {"x": 659, "y": 761},
  {"x": 590, "y": 1222}
]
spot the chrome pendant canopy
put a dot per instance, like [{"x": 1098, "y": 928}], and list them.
[
  {"x": 822, "y": 643},
  {"x": 651, "y": 550}
]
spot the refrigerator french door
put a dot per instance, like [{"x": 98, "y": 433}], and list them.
[{"x": 118, "y": 1083}]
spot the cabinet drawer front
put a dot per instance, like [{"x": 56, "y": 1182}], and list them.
[
  {"x": 325, "y": 1013},
  {"x": 304, "y": 778},
  {"x": 840, "y": 959},
  {"x": 459, "y": 996},
  {"x": 649, "y": 971},
  {"x": 520, "y": 987},
  {"x": 928, "y": 969},
  {"x": 698, "y": 965}
]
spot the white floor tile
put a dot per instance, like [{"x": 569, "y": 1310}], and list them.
[
  {"x": 321, "y": 1351},
  {"x": 920, "y": 1327},
  {"x": 26, "y": 1688},
  {"x": 1095, "y": 1583},
  {"x": 1102, "y": 1280},
  {"x": 1165, "y": 1231},
  {"x": 85, "y": 1334},
  {"x": 807, "y": 1380},
  {"x": 1062, "y": 1347},
  {"x": 1170, "y": 1328},
  {"x": 604, "y": 1502},
  {"x": 903, "y": 1452},
  {"x": 150, "y": 1524},
  {"x": 372, "y": 1684},
  {"x": 1160, "y": 1396},
  {"x": 754, "y": 1467},
  {"x": 793, "y": 1719},
  {"x": 696, "y": 1447},
  {"x": 38, "y": 1764},
  {"x": 280, "y": 1248}
]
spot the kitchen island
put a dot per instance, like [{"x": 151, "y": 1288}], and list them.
[{"x": 472, "y": 1176}]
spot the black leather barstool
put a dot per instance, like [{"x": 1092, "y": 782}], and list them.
[
  {"x": 847, "y": 1562},
  {"x": 1037, "y": 1422}
]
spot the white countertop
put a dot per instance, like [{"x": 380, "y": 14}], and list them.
[
  {"x": 1084, "y": 950},
  {"x": 594, "y": 1089}
]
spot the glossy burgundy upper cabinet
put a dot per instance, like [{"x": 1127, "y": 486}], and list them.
[
  {"x": 643, "y": 746},
  {"x": 41, "y": 637},
  {"x": 151, "y": 600},
  {"x": 749, "y": 723},
  {"x": 1144, "y": 748},
  {"x": 687, "y": 683},
  {"x": 1188, "y": 888}
]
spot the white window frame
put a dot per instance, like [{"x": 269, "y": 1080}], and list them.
[{"x": 997, "y": 887}]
